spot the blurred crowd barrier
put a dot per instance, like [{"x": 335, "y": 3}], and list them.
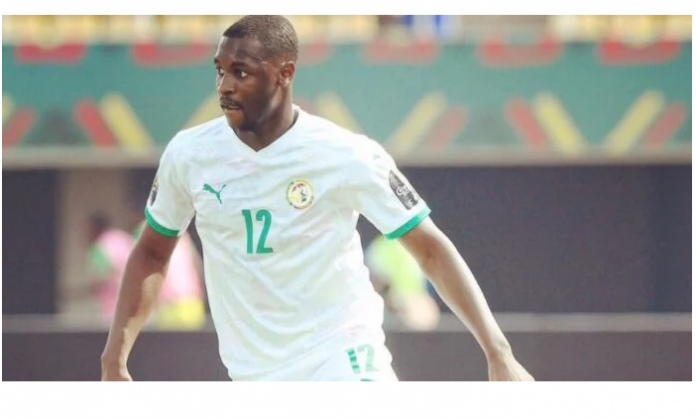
[{"x": 343, "y": 28}]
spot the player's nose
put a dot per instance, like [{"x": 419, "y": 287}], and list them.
[{"x": 226, "y": 86}]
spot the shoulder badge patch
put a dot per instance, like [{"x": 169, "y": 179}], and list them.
[
  {"x": 406, "y": 194},
  {"x": 153, "y": 191}
]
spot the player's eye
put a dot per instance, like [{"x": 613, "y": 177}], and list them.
[
  {"x": 218, "y": 70},
  {"x": 240, "y": 73}
]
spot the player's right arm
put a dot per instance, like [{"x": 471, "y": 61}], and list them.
[
  {"x": 138, "y": 295},
  {"x": 168, "y": 213}
]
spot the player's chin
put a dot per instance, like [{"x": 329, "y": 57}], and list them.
[{"x": 236, "y": 119}]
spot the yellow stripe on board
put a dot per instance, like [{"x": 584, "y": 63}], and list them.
[
  {"x": 7, "y": 107},
  {"x": 636, "y": 120},
  {"x": 209, "y": 109},
  {"x": 558, "y": 124},
  {"x": 330, "y": 106},
  {"x": 418, "y": 122},
  {"x": 123, "y": 122}
]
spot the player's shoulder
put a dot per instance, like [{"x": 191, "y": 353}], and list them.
[
  {"x": 194, "y": 136},
  {"x": 327, "y": 135},
  {"x": 317, "y": 128}
]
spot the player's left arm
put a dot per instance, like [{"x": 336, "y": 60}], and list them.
[
  {"x": 386, "y": 198},
  {"x": 445, "y": 267}
]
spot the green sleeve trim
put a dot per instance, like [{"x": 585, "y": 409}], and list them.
[
  {"x": 158, "y": 227},
  {"x": 410, "y": 225}
]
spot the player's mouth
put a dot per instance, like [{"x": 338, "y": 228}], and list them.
[{"x": 230, "y": 106}]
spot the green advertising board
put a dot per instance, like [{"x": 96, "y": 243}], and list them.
[{"x": 427, "y": 103}]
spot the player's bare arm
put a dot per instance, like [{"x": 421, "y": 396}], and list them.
[
  {"x": 454, "y": 281},
  {"x": 140, "y": 288}
]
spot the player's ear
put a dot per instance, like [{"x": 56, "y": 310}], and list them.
[{"x": 287, "y": 73}]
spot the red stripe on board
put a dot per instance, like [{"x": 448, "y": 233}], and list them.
[
  {"x": 17, "y": 127},
  {"x": 62, "y": 54},
  {"x": 89, "y": 118},
  {"x": 447, "y": 128},
  {"x": 381, "y": 51},
  {"x": 155, "y": 55},
  {"x": 614, "y": 52},
  {"x": 664, "y": 128},
  {"x": 520, "y": 116},
  {"x": 314, "y": 54},
  {"x": 497, "y": 52}
]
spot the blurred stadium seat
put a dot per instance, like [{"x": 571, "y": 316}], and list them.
[
  {"x": 344, "y": 28},
  {"x": 638, "y": 28}
]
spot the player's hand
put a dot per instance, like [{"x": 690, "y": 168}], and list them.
[
  {"x": 115, "y": 374},
  {"x": 507, "y": 369}
]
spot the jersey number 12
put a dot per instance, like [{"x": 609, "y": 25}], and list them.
[{"x": 261, "y": 215}]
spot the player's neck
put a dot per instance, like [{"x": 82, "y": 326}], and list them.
[{"x": 271, "y": 129}]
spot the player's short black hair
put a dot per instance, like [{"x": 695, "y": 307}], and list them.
[{"x": 276, "y": 34}]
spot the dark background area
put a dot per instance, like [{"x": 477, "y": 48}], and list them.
[
  {"x": 193, "y": 356},
  {"x": 554, "y": 239}
]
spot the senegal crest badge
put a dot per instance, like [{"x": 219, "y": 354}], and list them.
[{"x": 300, "y": 194}]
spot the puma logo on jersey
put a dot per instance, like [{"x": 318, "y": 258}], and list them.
[{"x": 208, "y": 188}]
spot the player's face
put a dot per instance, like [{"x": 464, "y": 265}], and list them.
[{"x": 247, "y": 84}]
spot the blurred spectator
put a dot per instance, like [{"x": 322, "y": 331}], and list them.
[
  {"x": 108, "y": 252},
  {"x": 399, "y": 279},
  {"x": 440, "y": 26},
  {"x": 181, "y": 304},
  {"x": 386, "y": 21}
]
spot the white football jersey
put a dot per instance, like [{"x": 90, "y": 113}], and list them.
[{"x": 283, "y": 260}]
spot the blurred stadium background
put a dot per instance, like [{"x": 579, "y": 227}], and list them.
[{"x": 554, "y": 150}]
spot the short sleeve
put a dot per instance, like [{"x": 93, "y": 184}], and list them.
[
  {"x": 382, "y": 194},
  {"x": 169, "y": 208}
]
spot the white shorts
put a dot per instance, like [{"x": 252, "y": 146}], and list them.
[{"x": 359, "y": 362}]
